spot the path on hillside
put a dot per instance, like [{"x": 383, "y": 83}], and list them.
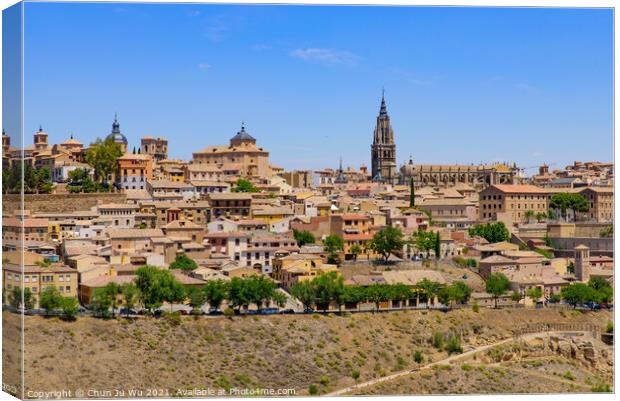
[{"x": 440, "y": 362}]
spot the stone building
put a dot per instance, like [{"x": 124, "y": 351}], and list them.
[
  {"x": 383, "y": 148},
  {"x": 156, "y": 147},
  {"x": 479, "y": 175},
  {"x": 242, "y": 152},
  {"x": 513, "y": 201}
]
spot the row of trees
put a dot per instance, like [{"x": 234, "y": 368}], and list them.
[
  {"x": 50, "y": 300},
  {"x": 80, "y": 180},
  {"x": 154, "y": 286},
  {"x": 328, "y": 289},
  {"x": 596, "y": 290},
  {"x": 35, "y": 180}
]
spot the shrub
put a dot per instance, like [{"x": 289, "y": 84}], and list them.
[
  {"x": 417, "y": 357},
  {"x": 610, "y": 327},
  {"x": 324, "y": 380},
  {"x": 475, "y": 307},
  {"x": 454, "y": 345},
  {"x": 313, "y": 389},
  {"x": 172, "y": 318},
  {"x": 437, "y": 340},
  {"x": 601, "y": 388},
  {"x": 466, "y": 367},
  {"x": 568, "y": 375},
  {"x": 229, "y": 312},
  {"x": 355, "y": 375}
]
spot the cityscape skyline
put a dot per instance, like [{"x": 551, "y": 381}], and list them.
[{"x": 451, "y": 86}]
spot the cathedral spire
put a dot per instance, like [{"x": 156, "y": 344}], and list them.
[{"x": 383, "y": 110}]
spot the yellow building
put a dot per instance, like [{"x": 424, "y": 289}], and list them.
[
  {"x": 253, "y": 161},
  {"x": 36, "y": 276},
  {"x": 291, "y": 269}
]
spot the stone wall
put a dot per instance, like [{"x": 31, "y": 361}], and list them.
[{"x": 53, "y": 203}]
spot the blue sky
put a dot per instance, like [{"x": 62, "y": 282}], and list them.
[{"x": 462, "y": 84}]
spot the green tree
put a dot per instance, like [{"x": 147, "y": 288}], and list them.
[
  {"x": 16, "y": 298},
  {"x": 328, "y": 287},
  {"x": 112, "y": 290},
  {"x": 156, "y": 286},
  {"x": 215, "y": 293},
  {"x": 197, "y": 299},
  {"x": 565, "y": 202},
  {"x": 303, "y": 237},
  {"x": 387, "y": 241},
  {"x": 100, "y": 302},
  {"x": 492, "y": 232},
  {"x": 130, "y": 295},
  {"x": 430, "y": 289},
  {"x": 497, "y": 285},
  {"x": 460, "y": 292},
  {"x": 540, "y": 216},
  {"x": 607, "y": 232},
  {"x": 333, "y": 244},
  {"x": 378, "y": 293},
  {"x": 304, "y": 291},
  {"x": 50, "y": 299},
  {"x": 279, "y": 298},
  {"x": 578, "y": 293},
  {"x": 244, "y": 186},
  {"x": 534, "y": 293},
  {"x": 411, "y": 193},
  {"x": 437, "y": 245},
  {"x": 529, "y": 215},
  {"x": 602, "y": 289},
  {"x": 424, "y": 241},
  {"x": 80, "y": 181},
  {"x": 238, "y": 294},
  {"x": 69, "y": 307},
  {"x": 183, "y": 262},
  {"x": 355, "y": 250},
  {"x": 260, "y": 290},
  {"x": 102, "y": 156}
]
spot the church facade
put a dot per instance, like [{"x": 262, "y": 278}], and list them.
[{"x": 383, "y": 148}]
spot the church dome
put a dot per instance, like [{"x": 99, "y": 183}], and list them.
[
  {"x": 242, "y": 136},
  {"x": 116, "y": 135}
]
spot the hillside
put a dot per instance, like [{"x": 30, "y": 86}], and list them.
[{"x": 249, "y": 352}]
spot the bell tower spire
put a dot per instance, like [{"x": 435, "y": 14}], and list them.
[{"x": 383, "y": 149}]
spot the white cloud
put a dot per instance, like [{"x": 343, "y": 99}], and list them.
[{"x": 325, "y": 56}]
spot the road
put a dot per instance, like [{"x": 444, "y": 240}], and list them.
[{"x": 430, "y": 365}]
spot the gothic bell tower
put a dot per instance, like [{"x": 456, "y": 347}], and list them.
[{"x": 383, "y": 148}]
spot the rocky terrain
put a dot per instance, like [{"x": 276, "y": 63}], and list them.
[{"x": 286, "y": 351}]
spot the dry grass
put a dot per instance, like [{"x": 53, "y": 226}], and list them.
[{"x": 267, "y": 352}]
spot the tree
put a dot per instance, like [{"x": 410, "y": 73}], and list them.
[
  {"x": 437, "y": 246},
  {"x": 244, "y": 186},
  {"x": 578, "y": 293},
  {"x": 378, "y": 293},
  {"x": 411, "y": 193},
  {"x": 460, "y": 292},
  {"x": 534, "y": 293},
  {"x": 101, "y": 156},
  {"x": 303, "y": 237},
  {"x": 238, "y": 294},
  {"x": 602, "y": 289},
  {"x": 69, "y": 307},
  {"x": 80, "y": 181},
  {"x": 607, "y": 232},
  {"x": 429, "y": 288},
  {"x": 387, "y": 241},
  {"x": 130, "y": 295},
  {"x": 260, "y": 290},
  {"x": 156, "y": 286},
  {"x": 540, "y": 216},
  {"x": 112, "y": 291},
  {"x": 215, "y": 293},
  {"x": 304, "y": 292},
  {"x": 422, "y": 241},
  {"x": 197, "y": 298},
  {"x": 100, "y": 302},
  {"x": 355, "y": 250},
  {"x": 16, "y": 298},
  {"x": 50, "y": 299},
  {"x": 183, "y": 262},
  {"x": 328, "y": 287},
  {"x": 565, "y": 201},
  {"x": 444, "y": 296},
  {"x": 529, "y": 215},
  {"x": 333, "y": 244},
  {"x": 492, "y": 232},
  {"x": 279, "y": 298},
  {"x": 497, "y": 285}
]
